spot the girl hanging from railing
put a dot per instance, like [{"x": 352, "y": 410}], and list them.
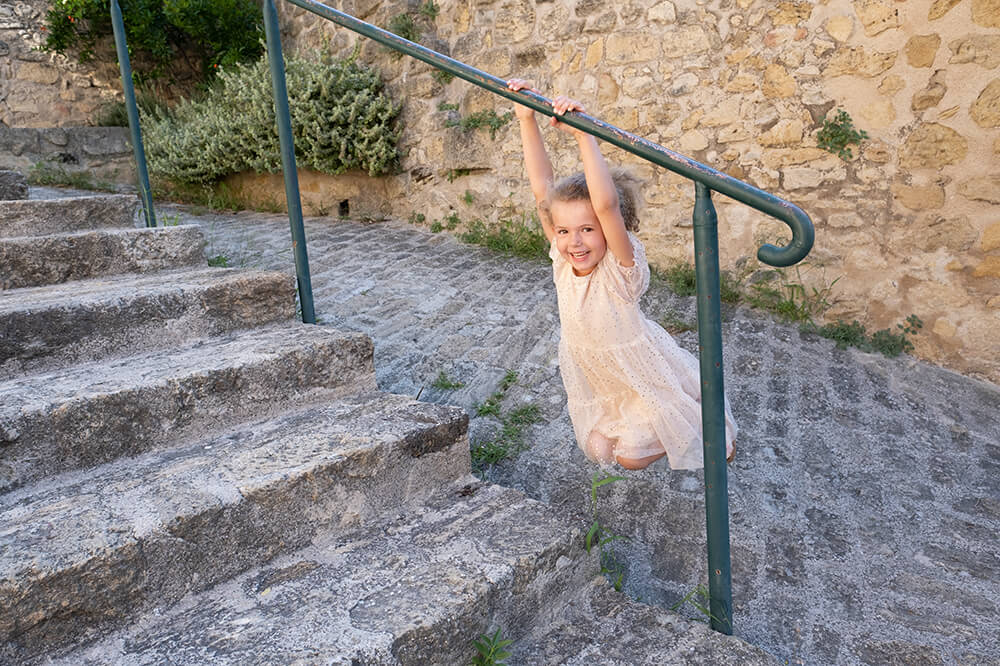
[{"x": 633, "y": 393}]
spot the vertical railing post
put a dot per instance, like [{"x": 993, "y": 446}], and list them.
[
  {"x": 284, "y": 121},
  {"x": 118, "y": 25},
  {"x": 713, "y": 415}
]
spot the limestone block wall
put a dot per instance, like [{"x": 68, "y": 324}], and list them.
[
  {"x": 104, "y": 153},
  {"x": 909, "y": 225},
  {"x": 42, "y": 89},
  {"x": 39, "y": 89}
]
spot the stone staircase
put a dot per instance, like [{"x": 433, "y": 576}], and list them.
[{"x": 187, "y": 475}]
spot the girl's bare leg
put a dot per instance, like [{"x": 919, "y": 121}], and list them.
[
  {"x": 601, "y": 448},
  {"x": 639, "y": 463}
]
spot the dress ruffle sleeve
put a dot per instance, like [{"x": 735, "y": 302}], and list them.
[{"x": 629, "y": 283}]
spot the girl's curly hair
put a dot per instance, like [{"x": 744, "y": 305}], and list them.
[{"x": 574, "y": 188}]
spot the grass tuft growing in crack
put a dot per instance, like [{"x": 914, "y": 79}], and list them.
[
  {"x": 600, "y": 538},
  {"x": 698, "y": 598},
  {"x": 444, "y": 383},
  {"x": 508, "y": 441}
]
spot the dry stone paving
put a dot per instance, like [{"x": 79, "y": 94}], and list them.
[{"x": 865, "y": 495}]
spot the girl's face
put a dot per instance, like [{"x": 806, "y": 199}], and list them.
[{"x": 579, "y": 237}]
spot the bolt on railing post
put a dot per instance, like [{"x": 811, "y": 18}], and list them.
[
  {"x": 118, "y": 25},
  {"x": 284, "y": 122},
  {"x": 713, "y": 415}
]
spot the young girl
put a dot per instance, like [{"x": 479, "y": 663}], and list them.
[{"x": 633, "y": 394}]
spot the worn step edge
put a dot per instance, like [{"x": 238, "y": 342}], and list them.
[
  {"x": 602, "y": 627},
  {"x": 40, "y": 260},
  {"x": 87, "y": 551},
  {"x": 89, "y": 414},
  {"x": 42, "y": 327},
  {"x": 42, "y": 217},
  {"x": 418, "y": 590}
]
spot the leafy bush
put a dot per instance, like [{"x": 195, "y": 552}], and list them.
[
  {"x": 222, "y": 32},
  {"x": 341, "y": 119}
]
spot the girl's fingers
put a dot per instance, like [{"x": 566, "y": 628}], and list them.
[{"x": 561, "y": 104}]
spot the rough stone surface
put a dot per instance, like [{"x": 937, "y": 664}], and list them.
[
  {"x": 41, "y": 260},
  {"x": 44, "y": 217},
  {"x": 986, "y": 13},
  {"x": 981, "y": 49},
  {"x": 986, "y": 109},
  {"x": 984, "y": 188},
  {"x": 603, "y": 627},
  {"x": 921, "y": 49},
  {"x": 939, "y": 8},
  {"x": 414, "y": 590},
  {"x": 839, "y": 450},
  {"x": 877, "y": 16},
  {"x": 932, "y": 94},
  {"x": 97, "y": 412},
  {"x": 13, "y": 185},
  {"x": 101, "y": 152},
  {"x": 859, "y": 62},
  {"x": 149, "y": 530},
  {"x": 933, "y": 145},
  {"x": 42, "y": 327}
]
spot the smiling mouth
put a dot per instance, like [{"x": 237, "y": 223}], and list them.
[{"x": 579, "y": 256}]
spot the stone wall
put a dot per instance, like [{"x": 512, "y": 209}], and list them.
[
  {"x": 39, "y": 89},
  {"x": 42, "y": 89},
  {"x": 104, "y": 153},
  {"x": 909, "y": 225}
]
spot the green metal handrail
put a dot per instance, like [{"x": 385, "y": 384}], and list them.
[
  {"x": 303, "y": 279},
  {"x": 145, "y": 193},
  {"x": 706, "y": 241}
]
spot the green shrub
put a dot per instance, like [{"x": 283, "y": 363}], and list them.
[
  {"x": 341, "y": 119},
  {"x": 221, "y": 32},
  {"x": 837, "y": 133}
]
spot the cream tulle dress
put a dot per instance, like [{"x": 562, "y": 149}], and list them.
[{"x": 624, "y": 375}]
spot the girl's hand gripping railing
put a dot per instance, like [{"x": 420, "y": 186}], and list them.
[{"x": 799, "y": 223}]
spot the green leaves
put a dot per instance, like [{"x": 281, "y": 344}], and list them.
[
  {"x": 837, "y": 133},
  {"x": 509, "y": 441},
  {"x": 491, "y": 650},
  {"x": 341, "y": 119},
  {"x": 221, "y": 32},
  {"x": 598, "y": 537}
]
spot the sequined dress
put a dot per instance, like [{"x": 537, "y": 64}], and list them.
[{"x": 624, "y": 375}]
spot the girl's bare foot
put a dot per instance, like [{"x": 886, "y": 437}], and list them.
[{"x": 638, "y": 463}]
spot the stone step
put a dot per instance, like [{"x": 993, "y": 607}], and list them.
[
  {"x": 41, "y": 327},
  {"x": 602, "y": 627},
  {"x": 85, "y": 551},
  {"x": 93, "y": 413},
  {"x": 44, "y": 217},
  {"x": 30, "y": 261},
  {"x": 415, "y": 590}
]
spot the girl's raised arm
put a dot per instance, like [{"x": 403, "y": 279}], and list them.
[
  {"x": 536, "y": 160},
  {"x": 603, "y": 193}
]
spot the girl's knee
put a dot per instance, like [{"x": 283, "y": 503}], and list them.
[{"x": 600, "y": 448}]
